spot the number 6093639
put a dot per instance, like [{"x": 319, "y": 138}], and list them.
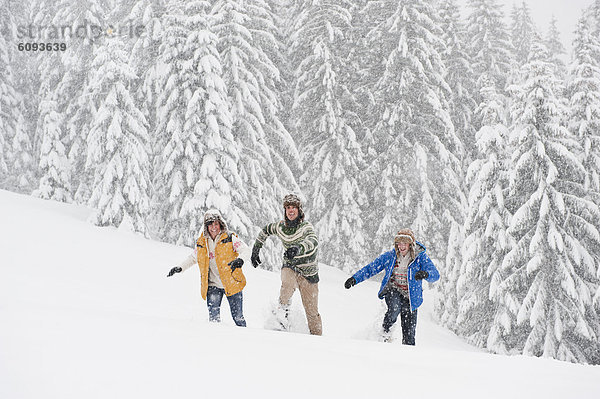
[{"x": 42, "y": 46}]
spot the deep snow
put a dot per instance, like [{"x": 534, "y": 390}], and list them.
[{"x": 88, "y": 312}]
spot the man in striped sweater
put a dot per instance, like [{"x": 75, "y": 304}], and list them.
[{"x": 300, "y": 269}]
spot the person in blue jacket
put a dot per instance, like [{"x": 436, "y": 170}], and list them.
[{"x": 405, "y": 267}]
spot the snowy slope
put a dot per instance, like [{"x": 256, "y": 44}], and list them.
[{"x": 88, "y": 312}]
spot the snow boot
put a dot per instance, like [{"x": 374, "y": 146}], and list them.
[
  {"x": 282, "y": 317},
  {"x": 386, "y": 336}
]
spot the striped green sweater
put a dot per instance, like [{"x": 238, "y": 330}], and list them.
[{"x": 304, "y": 237}]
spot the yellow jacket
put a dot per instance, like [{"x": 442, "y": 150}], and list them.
[{"x": 225, "y": 252}]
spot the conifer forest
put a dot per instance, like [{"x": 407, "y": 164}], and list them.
[{"x": 471, "y": 125}]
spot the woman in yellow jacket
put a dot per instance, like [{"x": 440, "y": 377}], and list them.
[{"x": 217, "y": 254}]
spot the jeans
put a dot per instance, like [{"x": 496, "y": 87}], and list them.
[
  {"x": 399, "y": 305},
  {"x": 213, "y": 301}
]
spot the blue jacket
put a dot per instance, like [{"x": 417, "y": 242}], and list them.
[{"x": 387, "y": 261}]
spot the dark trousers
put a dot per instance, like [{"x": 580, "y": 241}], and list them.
[
  {"x": 214, "y": 297},
  {"x": 399, "y": 305}
]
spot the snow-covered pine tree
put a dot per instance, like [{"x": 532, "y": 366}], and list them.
[
  {"x": 49, "y": 70},
  {"x": 369, "y": 72},
  {"x": 555, "y": 48},
  {"x": 148, "y": 15},
  {"x": 178, "y": 159},
  {"x": 460, "y": 78},
  {"x": 584, "y": 105},
  {"x": 6, "y": 102},
  {"x": 8, "y": 99},
  {"x": 486, "y": 240},
  {"x": 200, "y": 157},
  {"x": 16, "y": 145},
  {"x": 459, "y": 75},
  {"x": 584, "y": 94},
  {"x": 267, "y": 35},
  {"x": 490, "y": 47},
  {"x": 323, "y": 112},
  {"x": 21, "y": 154},
  {"x": 144, "y": 59},
  {"x": 415, "y": 167},
  {"x": 72, "y": 91},
  {"x": 117, "y": 143},
  {"x": 246, "y": 43},
  {"x": 365, "y": 70},
  {"x": 593, "y": 13},
  {"x": 208, "y": 115},
  {"x": 548, "y": 270},
  {"x": 118, "y": 20},
  {"x": 523, "y": 32},
  {"x": 283, "y": 14},
  {"x": 447, "y": 302},
  {"x": 55, "y": 171},
  {"x": 49, "y": 141},
  {"x": 3, "y": 164}
]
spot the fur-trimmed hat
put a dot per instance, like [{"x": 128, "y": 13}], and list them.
[
  {"x": 405, "y": 235},
  {"x": 213, "y": 215},
  {"x": 293, "y": 200}
]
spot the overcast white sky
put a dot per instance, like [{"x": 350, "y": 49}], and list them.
[{"x": 567, "y": 13}]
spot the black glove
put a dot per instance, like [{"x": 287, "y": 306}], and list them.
[
  {"x": 236, "y": 263},
  {"x": 174, "y": 270},
  {"x": 421, "y": 274},
  {"x": 291, "y": 252},
  {"x": 254, "y": 258},
  {"x": 351, "y": 282}
]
